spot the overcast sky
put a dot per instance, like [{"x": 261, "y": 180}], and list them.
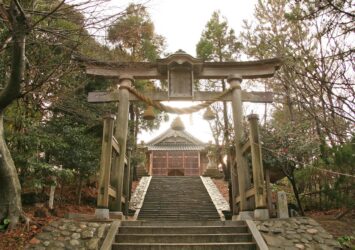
[{"x": 181, "y": 22}]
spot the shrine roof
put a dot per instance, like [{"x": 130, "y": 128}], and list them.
[
  {"x": 176, "y": 148},
  {"x": 175, "y": 140}
]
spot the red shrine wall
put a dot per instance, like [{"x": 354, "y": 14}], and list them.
[{"x": 175, "y": 163}]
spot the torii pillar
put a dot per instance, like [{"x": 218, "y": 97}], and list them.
[
  {"x": 241, "y": 178},
  {"x": 121, "y": 136}
]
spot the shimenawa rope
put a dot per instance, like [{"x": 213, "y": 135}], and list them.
[{"x": 169, "y": 109}]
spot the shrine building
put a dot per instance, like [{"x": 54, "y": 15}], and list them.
[{"x": 176, "y": 153}]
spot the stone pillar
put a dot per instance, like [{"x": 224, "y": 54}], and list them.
[
  {"x": 121, "y": 136},
  {"x": 282, "y": 206},
  {"x": 268, "y": 192},
  {"x": 237, "y": 106},
  {"x": 261, "y": 211}
]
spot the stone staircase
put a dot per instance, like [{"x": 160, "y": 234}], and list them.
[
  {"x": 178, "y": 214},
  {"x": 177, "y": 199},
  {"x": 187, "y": 235}
]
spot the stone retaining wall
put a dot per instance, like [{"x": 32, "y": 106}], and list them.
[
  {"x": 296, "y": 233},
  {"x": 139, "y": 194},
  {"x": 69, "y": 234},
  {"x": 217, "y": 198}
]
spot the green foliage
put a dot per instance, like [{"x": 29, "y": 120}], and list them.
[
  {"x": 4, "y": 224},
  {"x": 347, "y": 241},
  {"x": 42, "y": 175},
  {"x": 288, "y": 145},
  {"x": 72, "y": 146},
  {"x": 218, "y": 42},
  {"x": 338, "y": 189},
  {"x": 134, "y": 35}
]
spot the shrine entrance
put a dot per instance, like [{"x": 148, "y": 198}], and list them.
[
  {"x": 176, "y": 172},
  {"x": 182, "y": 70}
]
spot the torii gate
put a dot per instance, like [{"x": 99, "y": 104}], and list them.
[{"x": 181, "y": 69}]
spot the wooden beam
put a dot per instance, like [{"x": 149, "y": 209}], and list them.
[
  {"x": 210, "y": 70},
  {"x": 249, "y": 193},
  {"x": 111, "y": 192},
  {"x": 253, "y": 96},
  {"x": 245, "y": 146},
  {"x": 115, "y": 145}
]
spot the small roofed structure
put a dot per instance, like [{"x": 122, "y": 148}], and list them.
[{"x": 176, "y": 153}]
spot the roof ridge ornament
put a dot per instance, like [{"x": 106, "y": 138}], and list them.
[{"x": 177, "y": 124}]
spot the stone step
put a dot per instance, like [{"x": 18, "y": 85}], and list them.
[
  {"x": 179, "y": 213},
  {"x": 184, "y": 246},
  {"x": 186, "y": 238},
  {"x": 179, "y": 217},
  {"x": 182, "y": 223},
  {"x": 182, "y": 203},
  {"x": 177, "y": 198},
  {"x": 168, "y": 209},
  {"x": 183, "y": 230}
]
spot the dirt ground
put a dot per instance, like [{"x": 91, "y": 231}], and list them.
[
  {"x": 338, "y": 228},
  {"x": 18, "y": 238}
]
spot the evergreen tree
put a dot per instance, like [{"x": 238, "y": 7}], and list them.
[{"x": 218, "y": 43}]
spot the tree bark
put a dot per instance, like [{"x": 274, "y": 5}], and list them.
[
  {"x": 80, "y": 187},
  {"x": 291, "y": 177},
  {"x": 10, "y": 188}
]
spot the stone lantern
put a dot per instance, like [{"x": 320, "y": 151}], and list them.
[{"x": 212, "y": 169}]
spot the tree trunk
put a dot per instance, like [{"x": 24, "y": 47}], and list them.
[
  {"x": 10, "y": 188},
  {"x": 296, "y": 193},
  {"x": 80, "y": 186}
]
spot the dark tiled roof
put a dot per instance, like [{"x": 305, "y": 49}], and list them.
[{"x": 176, "y": 147}]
